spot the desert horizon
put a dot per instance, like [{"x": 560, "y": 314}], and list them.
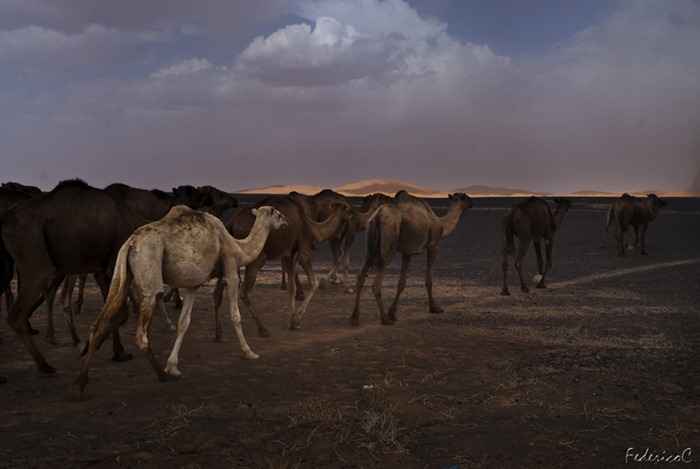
[{"x": 390, "y": 187}]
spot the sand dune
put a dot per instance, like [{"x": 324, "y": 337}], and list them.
[{"x": 390, "y": 187}]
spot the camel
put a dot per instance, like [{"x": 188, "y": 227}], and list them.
[
  {"x": 10, "y": 194},
  {"x": 531, "y": 221},
  {"x": 408, "y": 225},
  {"x": 144, "y": 207},
  {"x": 318, "y": 207},
  {"x": 186, "y": 248},
  {"x": 632, "y": 211},
  {"x": 73, "y": 229},
  {"x": 292, "y": 244}
]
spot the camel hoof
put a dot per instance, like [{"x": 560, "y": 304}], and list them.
[
  {"x": 168, "y": 378},
  {"x": 294, "y": 325},
  {"x": 220, "y": 340},
  {"x": 349, "y": 290},
  {"x": 388, "y": 322},
  {"x": 250, "y": 356},
  {"x": 263, "y": 333},
  {"x": 437, "y": 310},
  {"x": 505, "y": 293},
  {"x": 354, "y": 321},
  {"x": 525, "y": 289},
  {"x": 541, "y": 285},
  {"x": 392, "y": 317},
  {"x": 122, "y": 357},
  {"x": 46, "y": 368},
  {"x": 300, "y": 297}
]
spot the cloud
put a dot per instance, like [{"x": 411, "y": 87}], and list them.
[{"x": 348, "y": 90}]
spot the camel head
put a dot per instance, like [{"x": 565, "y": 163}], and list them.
[
  {"x": 563, "y": 203},
  {"x": 463, "y": 199},
  {"x": 655, "y": 204},
  {"x": 277, "y": 220}
]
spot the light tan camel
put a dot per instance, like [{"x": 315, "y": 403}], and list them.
[
  {"x": 291, "y": 243},
  {"x": 632, "y": 211},
  {"x": 186, "y": 248},
  {"x": 531, "y": 221},
  {"x": 408, "y": 225}
]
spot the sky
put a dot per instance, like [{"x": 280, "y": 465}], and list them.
[{"x": 551, "y": 95}]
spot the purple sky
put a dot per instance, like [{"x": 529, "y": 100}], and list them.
[{"x": 550, "y": 96}]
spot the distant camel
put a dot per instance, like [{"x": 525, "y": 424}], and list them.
[
  {"x": 291, "y": 243},
  {"x": 320, "y": 206},
  {"x": 186, "y": 248},
  {"x": 531, "y": 221},
  {"x": 73, "y": 229},
  {"x": 632, "y": 211},
  {"x": 408, "y": 225}
]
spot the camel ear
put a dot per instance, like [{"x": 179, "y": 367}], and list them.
[{"x": 255, "y": 211}]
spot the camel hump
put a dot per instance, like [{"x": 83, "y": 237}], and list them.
[{"x": 71, "y": 183}]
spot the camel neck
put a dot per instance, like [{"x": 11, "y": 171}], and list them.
[
  {"x": 451, "y": 219},
  {"x": 325, "y": 230},
  {"x": 255, "y": 241},
  {"x": 558, "y": 217}
]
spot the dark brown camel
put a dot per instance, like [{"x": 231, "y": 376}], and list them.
[
  {"x": 532, "y": 222},
  {"x": 144, "y": 207},
  {"x": 635, "y": 212},
  {"x": 291, "y": 243},
  {"x": 71, "y": 230},
  {"x": 319, "y": 206},
  {"x": 10, "y": 194},
  {"x": 408, "y": 225}
]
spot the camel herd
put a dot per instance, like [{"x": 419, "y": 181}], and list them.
[{"x": 135, "y": 242}]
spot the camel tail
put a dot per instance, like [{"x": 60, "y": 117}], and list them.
[
  {"x": 118, "y": 292},
  {"x": 507, "y": 234},
  {"x": 374, "y": 242}
]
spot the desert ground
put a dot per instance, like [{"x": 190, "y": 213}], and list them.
[{"x": 600, "y": 369}]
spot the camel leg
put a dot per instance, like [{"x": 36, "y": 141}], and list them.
[
  {"x": 522, "y": 249},
  {"x": 232, "y": 291},
  {"x": 49, "y": 298},
  {"x": 182, "y": 326},
  {"x": 67, "y": 306},
  {"x": 504, "y": 267},
  {"x": 22, "y": 309},
  {"x": 346, "y": 262},
  {"x": 78, "y": 305},
  {"x": 332, "y": 276},
  {"x": 405, "y": 261},
  {"x": 434, "y": 308},
  {"x": 218, "y": 299},
  {"x": 147, "y": 303},
  {"x": 548, "y": 265},
  {"x": 361, "y": 277},
  {"x": 377, "y": 290},
  {"x": 295, "y": 319},
  {"x": 251, "y": 274},
  {"x": 642, "y": 239}
]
